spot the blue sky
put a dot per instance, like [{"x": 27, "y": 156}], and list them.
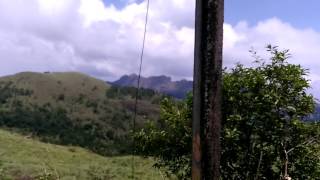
[
  {"x": 120, "y": 3},
  {"x": 299, "y": 13},
  {"x": 254, "y": 11}
]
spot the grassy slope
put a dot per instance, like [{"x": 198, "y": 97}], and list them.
[
  {"x": 85, "y": 100},
  {"x": 20, "y": 156},
  {"x": 47, "y": 87}
]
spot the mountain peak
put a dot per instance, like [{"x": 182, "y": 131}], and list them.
[{"x": 162, "y": 83}]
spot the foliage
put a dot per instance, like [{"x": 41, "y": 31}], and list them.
[
  {"x": 55, "y": 126},
  {"x": 120, "y": 92},
  {"x": 8, "y": 90},
  {"x": 170, "y": 143},
  {"x": 263, "y": 108}
]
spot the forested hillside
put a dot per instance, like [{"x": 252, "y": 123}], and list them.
[{"x": 74, "y": 109}]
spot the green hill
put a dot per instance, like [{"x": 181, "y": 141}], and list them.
[
  {"x": 74, "y": 109},
  {"x": 67, "y": 90},
  {"x": 47, "y": 87},
  {"x": 23, "y": 158}
]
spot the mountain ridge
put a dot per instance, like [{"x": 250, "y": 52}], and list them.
[{"x": 162, "y": 84}]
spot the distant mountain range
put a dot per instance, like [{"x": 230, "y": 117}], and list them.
[
  {"x": 163, "y": 84},
  {"x": 178, "y": 89}
]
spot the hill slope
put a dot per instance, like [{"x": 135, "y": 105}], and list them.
[
  {"x": 65, "y": 90},
  {"x": 25, "y": 158},
  {"x": 162, "y": 84},
  {"x": 73, "y": 108},
  {"x": 48, "y": 86}
]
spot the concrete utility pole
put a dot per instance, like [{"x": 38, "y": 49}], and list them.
[{"x": 207, "y": 90}]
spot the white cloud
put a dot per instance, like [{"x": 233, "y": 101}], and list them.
[
  {"x": 88, "y": 36},
  {"x": 94, "y": 10},
  {"x": 304, "y": 44},
  {"x": 53, "y": 7}
]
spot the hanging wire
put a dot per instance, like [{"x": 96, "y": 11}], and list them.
[{"x": 138, "y": 88}]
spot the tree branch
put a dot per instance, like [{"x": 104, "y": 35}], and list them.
[{"x": 307, "y": 142}]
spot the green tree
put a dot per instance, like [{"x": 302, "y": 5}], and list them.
[
  {"x": 263, "y": 131},
  {"x": 170, "y": 139}
]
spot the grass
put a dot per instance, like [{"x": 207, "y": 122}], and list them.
[
  {"x": 47, "y": 87},
  {"x": 25, "y": 158}
]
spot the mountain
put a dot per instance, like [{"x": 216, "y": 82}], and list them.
[
  {"x": 177, "y": 89},
  {"x": 58, "y": 88},
  {"x": 25, "y": 158},
  {"x": 71, "y": 108},
  {"x": 162, "y": 84}
]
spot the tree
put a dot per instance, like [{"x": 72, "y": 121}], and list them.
[
  {"x": 170, "y": 139},
  {"x": 263, "y": 132}
]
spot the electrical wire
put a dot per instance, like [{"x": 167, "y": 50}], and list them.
[{"x": 138, "y": 88}]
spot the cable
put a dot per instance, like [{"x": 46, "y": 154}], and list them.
[{"x": 138, "y": 86}]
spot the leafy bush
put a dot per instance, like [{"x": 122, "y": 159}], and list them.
[
  {"x": 263, "y": 131},
  {"x": 169, "y": 140}
]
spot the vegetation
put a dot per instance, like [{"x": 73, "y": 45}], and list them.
[
  {"x": 74, "y": 109},
  {"x": 169, "y": 140},
  {"x": 263, "y": 134},
  {"x": 23, "y": 158}
]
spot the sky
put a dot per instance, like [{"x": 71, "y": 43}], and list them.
[{"x": 103, "y": 38}]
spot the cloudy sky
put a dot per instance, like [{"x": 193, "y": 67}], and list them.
[{"x": 103, "y": 37}]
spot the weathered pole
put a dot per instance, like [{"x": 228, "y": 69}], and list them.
[{"x": 207, "y": 89}]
